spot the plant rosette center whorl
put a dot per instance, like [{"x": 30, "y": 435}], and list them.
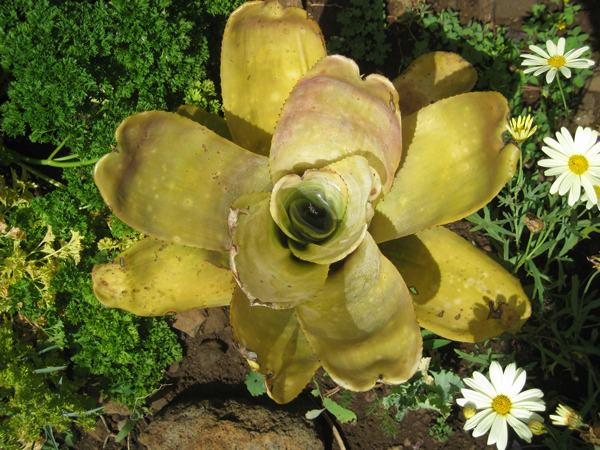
[{"x": 325, "y": 213}]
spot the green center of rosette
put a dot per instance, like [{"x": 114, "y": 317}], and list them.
[{"x": 308, "y": 209}]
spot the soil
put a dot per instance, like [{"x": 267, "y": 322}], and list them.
[{"x": 213, "y": 367}]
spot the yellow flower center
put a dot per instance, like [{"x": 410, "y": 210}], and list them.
[
  {"x": 501, "y": 404},
  {"x": 557, "y": 61},
  {"x": 578, "y": 164},
  {"x": 597, "y": 189}
]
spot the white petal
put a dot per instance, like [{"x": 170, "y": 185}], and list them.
[
  {"x": 566, "y": 141},
  {"x": 529, "y": 394},
  {"x": 558, "y": 182},
  {"x": 497, "y": 377},
  {"x": 554, "y": 144},
  {"x": 525, "y": 415},
  {"x": 517, "y": 384},
  {"x": 482, "y": 384},
  {"x": 580, "y": 63},
  {"x": 554, "y": 163},
  {"x": 567, "y": 183},
  {"x": 474, "y": 421},
  {"x": 551, "y": 48},
  {"x": 555, "y": 154},
  {"x": 522, "y": 430},
  {"x": 480, "y": 399},
  {"x": 499, "y": 433},
  {"x": 575, "y": 192},
  {"x": 559, "y": 170},
  {"x": 541, "y": 70},
  {"x": 560, "y": 48},
  {"x": 589, "y": 189},
  {"x": 539, "y": 51},
  {"x": 530, "y": 405},
  {"x": 550, "y": 75},
  {"x": 575, "y": 53},
  {"x": 565, "y": 71},
  {"x": 484, "y": 423}
]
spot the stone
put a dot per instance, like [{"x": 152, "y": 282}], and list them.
[
  {"x": 229, "y": 424},
  {"x": 189, "y": 322}
]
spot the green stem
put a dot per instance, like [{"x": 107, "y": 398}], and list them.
[
  {"x": 57, "y": 149},
  {"x": 48, "y": 162},
  {"x": 562, "y": 93},
  {"x": 52, "y": 181}
]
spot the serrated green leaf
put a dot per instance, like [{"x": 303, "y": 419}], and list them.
[
  {"x": 342, "y": 414},
  {"x": 255, "y": 383}
]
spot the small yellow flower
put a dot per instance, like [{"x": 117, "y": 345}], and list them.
[
  {"x": 567, "y": 417},
  {"x": 561, "y": 25},
  {"x": 537, "y": 427},
  {"x": 521, "y": 129},
  {"x": 469, "y": 412}
]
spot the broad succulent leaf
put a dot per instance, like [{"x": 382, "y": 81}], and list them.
[
  {"x": 206, "y": 119},
  {"x": 432, "y": 77},
  {"x": 274, "y": 344},
  {"x": 462, "y": 294},
  {"x": 175, "y": 180},
  {"x": 154, "y": 278},
  {"x": 362, "y": 325},
  {"x": 265, "y": 268},
  {"x": 333, "y": 113},
  {"x": 266, "y": 49},
  {"x": 455, "y": 162}
]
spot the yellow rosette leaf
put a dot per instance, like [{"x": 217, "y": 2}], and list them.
[
  {"x": 274, "y": 341},
  {"x": 462, "y": 294},
  {"x": 455, "y": 163},
  {"x": 266, "y": 269},
  {"x": 153, "y": 278},
  {"x": 266, "y": 49},
  {"x": 432, "y": 77},
  {"x": 175, "y": 180},
  {"x": 332, "y": 113},
  {"x": 206, "y": 119},
  {"x": 362, "y": 325}
]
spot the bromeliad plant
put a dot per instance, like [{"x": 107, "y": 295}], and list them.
[{"x": 306, "y": 205}]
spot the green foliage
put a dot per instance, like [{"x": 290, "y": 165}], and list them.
[
  {"x": 488, "y": 50},
  {"x": 441, "y": 430},
  {"x": 363, "y": 32},
  {"x": 128, "y": 353},
  {"x": 71, "y": 72},
  {"x": 428, "y": 389},
  {"x": 342, "y": 414},
  {"x": 204, "y": 95},
  {"x": 255, "y": 383},
  {"x": 74, "y": 81},
  {"x": 35, "y": 390}
]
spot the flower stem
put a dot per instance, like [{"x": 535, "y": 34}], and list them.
[{"x": 562, "y": 93}]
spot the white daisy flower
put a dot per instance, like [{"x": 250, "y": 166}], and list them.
[
  {"x": 502, "y": 403},
  {"x": 555, "y": 59},
  {"x": 576, "y": 162}
]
